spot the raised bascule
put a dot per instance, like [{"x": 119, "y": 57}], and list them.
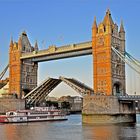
[{"x": 108, "y": 102}]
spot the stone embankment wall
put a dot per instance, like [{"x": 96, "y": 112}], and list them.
[
  {"x": 11, "y": 104},
  {"x": 107, "y": 109}
]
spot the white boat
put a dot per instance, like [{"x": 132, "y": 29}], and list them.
[{"x": 33, "y": 115}]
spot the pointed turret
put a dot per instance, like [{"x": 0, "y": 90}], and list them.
[
  {"x": 20, "y": 41},
  {"x": 108, "y": 19},
  {"x": 36, "y": 46},
  {"x": 94, "y": 27},
  {"x": 122, "y": 31},
  {"x": 122, "y": 36},
  {"x": 94, "y": 23},
  {"x": 108, "y": 22},
  {"x": 11, "y": 45},
  {"x": 121, "y": 27},
  {"x": 11, "y": 42},
  {"x": 24, "y": 33}
]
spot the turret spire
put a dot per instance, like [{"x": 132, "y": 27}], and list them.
[
  {"x": 19, "y": 40},
  {"x": 11, "y": 41},
  {"x": 108, "y": 19},
  {"x": 94, "y": 27},
  {"x": 94, "y": 23},
  {"x": 24, "y": 33},
  {"x": 36, "y": 46},
  {"x": 108, "y": 12},
  {"x": 121, "y": 27}
]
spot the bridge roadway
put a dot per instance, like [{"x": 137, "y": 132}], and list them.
[
  {"x": 42, "y": 91},
  {"x": 54, "y": 53}
]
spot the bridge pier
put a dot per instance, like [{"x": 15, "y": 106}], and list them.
[
  {"x": 99, "y": 109},
  {"x": 7, "y": 104}
]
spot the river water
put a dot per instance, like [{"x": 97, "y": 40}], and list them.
[{"x": 72, "y": 129}]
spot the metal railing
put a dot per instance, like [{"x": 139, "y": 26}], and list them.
[{"x": 129, "y": 97}]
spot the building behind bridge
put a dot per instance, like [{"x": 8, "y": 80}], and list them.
[{"x": 74, "y": 101}]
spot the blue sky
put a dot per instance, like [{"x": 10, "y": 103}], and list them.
[{"x": 60, "y": 22}]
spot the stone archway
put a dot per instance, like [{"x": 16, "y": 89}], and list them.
[
  {"x": 25, "y": 92},
  {"x": 117, "y": 88}
]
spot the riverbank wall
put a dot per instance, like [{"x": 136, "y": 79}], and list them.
[
  {"x": 99, "y": 109},
  {"x": 11, "y": 104}
]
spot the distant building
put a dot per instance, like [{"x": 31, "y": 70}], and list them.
[
  {"x": 75, "y": 102},
  {"x": 65, "y": 99},
  {"x": 51, "y": 99}
]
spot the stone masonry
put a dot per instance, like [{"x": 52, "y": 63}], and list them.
[
  {"x": 22, "y": 74},
  {"x": 109, "y": 69},
  {"x": 107, "y": 109}
]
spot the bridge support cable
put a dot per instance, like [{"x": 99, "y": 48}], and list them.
[
  {"x": 128, "y": 60},
  {"x": 3, "y": 72},
  {"x": 137, "y": 62}
]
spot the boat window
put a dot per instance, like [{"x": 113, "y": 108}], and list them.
[
  {"x": 51, "y": 112},
  {"x": 11, "y": 113}
]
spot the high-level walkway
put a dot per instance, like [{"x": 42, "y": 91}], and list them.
[
  {"x": 53, "y": 52},
  {"x": 41, "y": 91}
]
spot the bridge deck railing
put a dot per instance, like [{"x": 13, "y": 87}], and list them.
[
  {"x": 129, "y": 97},
  {"x": 53, "y": 49}
]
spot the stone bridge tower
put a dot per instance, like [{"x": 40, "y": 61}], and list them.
[
  {"x": 109, "y": 69},
  {"x": 23, "y": 74}
]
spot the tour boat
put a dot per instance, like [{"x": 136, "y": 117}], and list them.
[{"x": 33, "y": 115}]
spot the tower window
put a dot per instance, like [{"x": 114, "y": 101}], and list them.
[
  {"x": 27, "y": 69},
  {"x": 112, "y": 31},
  {"x": 104, "y": 29},
  {"x": 23, "y": 48}
]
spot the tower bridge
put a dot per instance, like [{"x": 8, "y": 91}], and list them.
[
  {"x": 109, "y": 102},
  {"x": 108, "y": 69}
]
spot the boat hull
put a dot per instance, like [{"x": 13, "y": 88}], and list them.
[
  {"x": 27, "y": 119},
  {"x": 35, "y": 115}
]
